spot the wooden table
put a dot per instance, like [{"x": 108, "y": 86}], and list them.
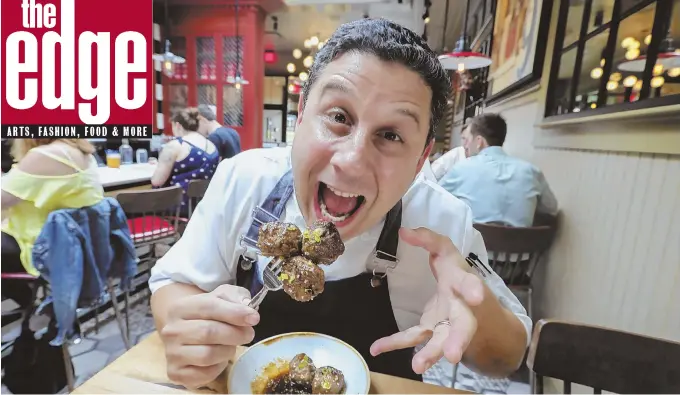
[{"x": 142, "y": 371}]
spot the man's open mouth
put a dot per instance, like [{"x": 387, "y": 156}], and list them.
[{"x": 337, "y": 205}]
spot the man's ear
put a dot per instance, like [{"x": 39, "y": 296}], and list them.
[
  {"x": 425, "y": 156},
  {"x": 301, "y": 108}
]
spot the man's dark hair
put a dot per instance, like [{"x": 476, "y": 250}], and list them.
[
  {"x": 390, "y": 42},
  {"x": 490, "y": 126},
  {"x": 206, "y": 112}
]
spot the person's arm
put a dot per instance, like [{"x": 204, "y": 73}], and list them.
[
  {"x": 547, "y": 202},
  {"x": 8, "y": 200},
  {"x": 200, "y": 316},
  {"x": 489, "y": 329},
  {"x": 199, "y": 261},
  {"x": 166, "y": 161},
  {"x": 503, "y": 326}
]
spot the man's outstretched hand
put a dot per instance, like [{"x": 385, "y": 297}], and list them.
[{"x": 457, "y": 291}]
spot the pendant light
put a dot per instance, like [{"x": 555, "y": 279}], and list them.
[
  {"x": 238, "y": 80},
  {"x": 168, "y": 59},
  {"x": 668, "y": 57},
  {"x": 463, "y": 58}
]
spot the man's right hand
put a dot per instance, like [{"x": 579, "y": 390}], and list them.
[{"x": 202, "y": 331}]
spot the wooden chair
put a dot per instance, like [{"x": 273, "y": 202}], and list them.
[
  {"x": 604, "y": 359},
  {"x": 153, "y": 219},
  {"x": 153, "y": 215},
  {"x": 514, "y": 253},
  {"x": 195, "y": 192}
]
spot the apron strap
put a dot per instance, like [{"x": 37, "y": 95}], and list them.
[
  {"x": 274, "y": 204},
  {"x": 389, "y": 236}
]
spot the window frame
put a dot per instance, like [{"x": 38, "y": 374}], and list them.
[{"x": 659, "y": 28}]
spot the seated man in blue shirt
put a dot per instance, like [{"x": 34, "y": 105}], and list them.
[
  {"x": 226, "y": 139},
  {"x": 497, "y": 187}
]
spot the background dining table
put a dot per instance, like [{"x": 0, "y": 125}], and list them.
[{"x": 142, "y": 369}]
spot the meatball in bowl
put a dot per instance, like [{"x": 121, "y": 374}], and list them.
[{"x": 300, "y": 363}]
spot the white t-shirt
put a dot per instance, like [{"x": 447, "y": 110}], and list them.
[{"x": 207, "y": 254}]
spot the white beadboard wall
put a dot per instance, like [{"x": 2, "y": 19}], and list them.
[{"x": 616, "y": 259}]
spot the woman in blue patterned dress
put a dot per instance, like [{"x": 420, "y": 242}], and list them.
[{"x": 190, "y": 156}]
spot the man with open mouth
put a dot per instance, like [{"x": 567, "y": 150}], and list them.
[{"x": 367, "y": 118}]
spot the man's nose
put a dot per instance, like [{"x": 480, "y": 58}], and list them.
[{"x": 354, "y": 156}]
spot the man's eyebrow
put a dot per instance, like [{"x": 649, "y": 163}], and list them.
[
  {"x": 334, "y": 86},
  {"x": 410, "y": 114}
]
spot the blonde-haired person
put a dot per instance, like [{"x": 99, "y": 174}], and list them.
[
  {"x": 51, "y": 174},
  {"x": 190, "y": 156}
]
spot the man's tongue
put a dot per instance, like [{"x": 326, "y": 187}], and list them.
[{"x": 338, "y": 205}]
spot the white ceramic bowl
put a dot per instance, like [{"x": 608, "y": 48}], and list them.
[{"x": 322, "y": 349}]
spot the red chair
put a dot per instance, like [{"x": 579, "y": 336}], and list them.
[{"x": 153, "y": 215}]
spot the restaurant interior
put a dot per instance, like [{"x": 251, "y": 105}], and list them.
[{"x": 590, "y": 92}]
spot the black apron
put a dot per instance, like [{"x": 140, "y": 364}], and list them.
[{"x": 351, "y": 309}]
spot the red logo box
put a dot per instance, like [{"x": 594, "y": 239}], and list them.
[{"x": 76, "y": 63}]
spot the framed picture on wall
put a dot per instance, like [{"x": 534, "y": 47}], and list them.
[{"x": 517, "y": 54}]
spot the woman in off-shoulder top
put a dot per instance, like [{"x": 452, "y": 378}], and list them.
[{"x": 51, "y": 174}]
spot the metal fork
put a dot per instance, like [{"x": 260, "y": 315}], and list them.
[{"x": 271, "y": 280}]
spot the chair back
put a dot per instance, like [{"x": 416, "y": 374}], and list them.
[
  {"x": 195, "y": 192},
  {"x": 152, "y": 214},
  {"x": 604, "y": 359},
  {"x": 515, "y": 252}
]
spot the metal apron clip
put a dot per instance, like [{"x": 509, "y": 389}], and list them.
[{"x": 389, "y": 262}]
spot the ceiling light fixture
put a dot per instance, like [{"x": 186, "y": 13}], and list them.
[
  {"x": 290, "y": 67},
  {"x": 668, "y": 57},
  {"x": 297, "y": 54},
  {"x": 626, "y": 42},
  {"x": 463, "y": 58},
  {"x": 596, "y": 73},
  {"x": 657, "y": 70},
  {"x": 657, "y": 82},
  {"x": 674, "y": 72},
  {"x": 615, "y": 77},
  {"x": 629, "y": 81},
  {"x": 632, "y": 54},
  {"x": 612, "y": 85},
  {"x": 308, "y": 61},
  {"x": 303, "y": 76},
  {"x": 637, "y": 87},
  {"x": 168, "y": 58}
]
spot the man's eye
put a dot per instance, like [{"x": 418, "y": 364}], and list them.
[
  {"x": 391, "y": 136},
  {"x": 339, "y": 117}
]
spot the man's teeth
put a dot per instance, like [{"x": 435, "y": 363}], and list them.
[
  {"x": 341, "y": 193},
  {"x": 328, "y": 215}
]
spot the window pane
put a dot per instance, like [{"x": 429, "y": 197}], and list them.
[
  {"x": 207, "y": 94},
  {"x": 668, "y": 83},
  {"x": 562, "y": 87},
  {"x": 600, "y": 13},
  {"x": 205, "y": 58},
  {"x": 229, "y": 47},
  {"x": 178, "y": 98},
  {"x": 232, "y": 105},
  {"x": 591, "y": 71},
  {"x": 627, "y": 4},
  {"x": 629, "y": 56},
  {"x": 273, "y": 90},
  {"x": 573, "y": 26}
]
